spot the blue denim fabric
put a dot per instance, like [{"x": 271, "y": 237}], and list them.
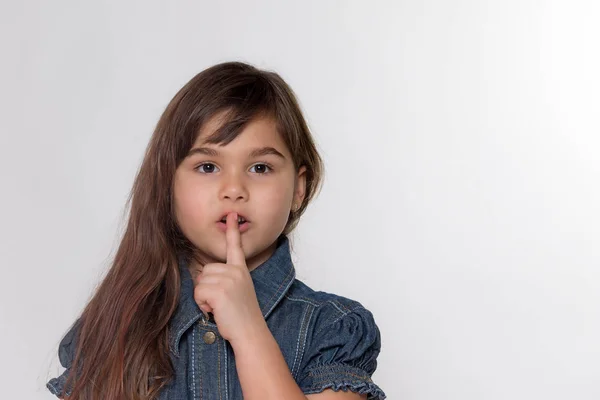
[{"x": 328, "y": 341}]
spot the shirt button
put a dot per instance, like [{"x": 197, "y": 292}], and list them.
[{"x": 209, "y": 337}]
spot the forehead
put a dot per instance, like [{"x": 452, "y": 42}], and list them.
[{"x": 261, "y": 131}]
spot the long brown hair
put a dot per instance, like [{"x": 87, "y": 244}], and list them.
[{"x": 122, "y": 345}]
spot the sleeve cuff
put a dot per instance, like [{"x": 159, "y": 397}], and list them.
[
  {"x": 56, "y": 385},
  {"x": 341, "y": 377}
]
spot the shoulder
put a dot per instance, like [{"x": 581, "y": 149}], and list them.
[
  {"x": 328, "y": 305},
  {"x": 332, "y": 314},
  {"x": 341, "y": 345}
]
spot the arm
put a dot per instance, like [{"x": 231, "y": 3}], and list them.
[
  {"x": 329, "y": 394},
  {"x": 264, "y": 373}
]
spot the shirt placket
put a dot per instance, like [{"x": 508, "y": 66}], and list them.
[{"x": 210, "y": 362}]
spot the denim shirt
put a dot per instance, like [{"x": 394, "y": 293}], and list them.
[{"x": 328, "y": 341}]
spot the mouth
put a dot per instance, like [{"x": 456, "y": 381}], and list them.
[
  {"x": 241, "y": 219},
  {"x": 243, "y": 224}
]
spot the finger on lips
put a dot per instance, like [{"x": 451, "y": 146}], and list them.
[{"x": 235, "y": 254}]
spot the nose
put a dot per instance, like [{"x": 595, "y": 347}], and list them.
[{"x": 233, "y": 188}]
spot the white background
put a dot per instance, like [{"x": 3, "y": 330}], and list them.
[{"x": 461, "y": 201}]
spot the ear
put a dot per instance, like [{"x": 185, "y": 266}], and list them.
[{"x": 300, "y": 189}]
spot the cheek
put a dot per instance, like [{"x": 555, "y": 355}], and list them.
[
  {"x": 190, "y": 206},
  {"x": 277, "y": 201}
]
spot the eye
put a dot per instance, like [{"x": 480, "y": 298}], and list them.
[
  {"x": 206, "y": 168},
  {"x": 262, "y": 168}
]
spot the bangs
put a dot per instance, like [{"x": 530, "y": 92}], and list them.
[
  {"x": 232, "y": 95},
  {"x": 241, "y": 105}
]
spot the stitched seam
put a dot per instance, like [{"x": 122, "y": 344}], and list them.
[
  {"x": 201, "y": 391},
  {"x": 180, "y": 332},
  {"x": 301, "y": 299},
  {"x": 298, "y": 342},
  {"x": 335, "y": 304},
  {"x": 279, "y": 289},
  {"x": 219, "y": 368},
  {"x": 338, "y": 318},
  {"x": 226, "y": 371},
  {"x": 350, "y": 311},
  {"x": 327, "y": 325},
  {"x": 302, "y": 335},
  {"x": 193, "y": 363}
]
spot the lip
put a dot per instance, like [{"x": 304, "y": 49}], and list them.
[
  {"x": 243, "y": 227},
  {"x": 229, "y": 212}
]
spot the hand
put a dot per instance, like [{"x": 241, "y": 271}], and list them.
[{"x": 227, "y": 290}]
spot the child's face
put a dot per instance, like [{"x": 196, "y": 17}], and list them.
[{"x": 263, "y": 188}]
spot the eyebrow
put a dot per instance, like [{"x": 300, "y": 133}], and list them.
[{"x": 261, "y": 151}]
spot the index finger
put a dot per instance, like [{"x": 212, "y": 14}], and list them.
[{"x": 235, "y": 253}]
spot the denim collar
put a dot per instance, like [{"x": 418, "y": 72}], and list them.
[{"x": 271, "y": 281}]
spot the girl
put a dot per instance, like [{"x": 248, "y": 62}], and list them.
[{"x": 201, "y": 301}]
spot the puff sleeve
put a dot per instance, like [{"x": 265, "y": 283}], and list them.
[
  {"x": 342, "y": 354},
  {"x": 66, "y": 355}
]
